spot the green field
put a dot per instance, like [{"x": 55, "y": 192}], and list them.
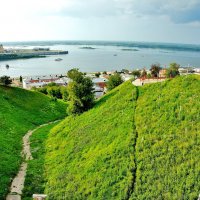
[
  {"x": 20, "y": 111},
  {"x": 137, "y": 143}
]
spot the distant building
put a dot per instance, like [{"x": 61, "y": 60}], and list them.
[
  {"x": 100, "y": 82},
  {"x": 41, "y": 81},
  {"x": 197, "y": 70},
  {"x": 162, "y": 73},
  {"x": 41, "y": 49},
  {"x": 127, "y": 77},
  {"x": 99, "y": 86},
  {"x": 1, "y": 48}
]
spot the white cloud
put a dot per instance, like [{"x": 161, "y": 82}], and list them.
[
  {"x": 184, "y": 10},
  {"x": 99, "y": 19}
]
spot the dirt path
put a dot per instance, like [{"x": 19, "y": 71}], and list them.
[{"x": 18, "y": 182}]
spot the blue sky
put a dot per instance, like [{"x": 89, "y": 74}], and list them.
[{"x": 176, "y": 21}]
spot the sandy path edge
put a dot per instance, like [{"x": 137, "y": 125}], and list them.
[{"x": 17, "y": 184}]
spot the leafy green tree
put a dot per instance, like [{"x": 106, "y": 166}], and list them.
[
  {"x": 136, "y": 73},
  {"x": 54, "y": 91},
  {"x": 75, "y": 75},
  {"x": 104, "y": 72},
  {"x": 149, "y": 75},
  {"x": 80, "y": 91},
  {"x": 52, "y": 84},
  {"x": 125, "y": 71},
  {"x": 64, "y": 93},
  {"x": 114, "y": 81},
  {"x": 97, "y": 74},
  {"x": 173, "y": 70},
  {"x": 42, "y": 90},
  {"x": 5, "y": 80},
  {"x": 155, "y": 68}
]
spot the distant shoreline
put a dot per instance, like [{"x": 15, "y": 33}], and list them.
[
  {"x": 5, "y": 57},
  {"x": 122, "y": 44},
  {"x": 27, "y": 54},
  {"x": 89, "y": 48}
]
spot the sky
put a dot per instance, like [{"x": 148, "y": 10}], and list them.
[{"x": 175, "y": 21}]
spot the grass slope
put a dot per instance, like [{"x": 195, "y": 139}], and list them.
[
  {"x": 168, "y": 145},
  {"x": 92, "y": 156},
  {"x": 20, "y": 111},
  {"x": 128, "y": 149},
  {"x": 35, "y": 175}
]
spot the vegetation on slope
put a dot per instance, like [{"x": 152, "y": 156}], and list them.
[
  {"x": 115, "y": 152},
  {"x": 91, "y": 156},
  {"x": 168, "y": 145},
  {"x": 20, "y": 111},
  {"x": 35, "y": 175}
]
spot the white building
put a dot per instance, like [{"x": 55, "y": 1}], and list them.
[
  {"x": 99, "y": 86},
  {"x": 197, "y": 70},
  {"x": 41, "y": 81},
  {"x": 127, "y": 77}
]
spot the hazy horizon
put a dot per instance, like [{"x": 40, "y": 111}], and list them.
[{"x": 112, "y": 41}]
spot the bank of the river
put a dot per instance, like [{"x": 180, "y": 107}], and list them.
[{"x": 28, "y": 53}]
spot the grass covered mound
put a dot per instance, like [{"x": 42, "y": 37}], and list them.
[
  {"x": 136, "y": 143},
  {"x": 20, "y": 111},
  {"x": 168, "y": 145},
  {"x": 91, "y": 156}
]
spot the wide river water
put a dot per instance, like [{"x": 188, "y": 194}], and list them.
[{"x": 105, "y": 56}]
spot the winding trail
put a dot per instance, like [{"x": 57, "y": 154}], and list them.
[
  {"x": 18, "y": 182},
  {"x": 134, "y": 169}
]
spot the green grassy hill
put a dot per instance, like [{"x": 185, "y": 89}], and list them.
[
  {"x": 137, "y": 143},
  {"x": 20, "y": 111},
  {"x": 168, "y": 145},
  {"x": 92, "y": 156}
]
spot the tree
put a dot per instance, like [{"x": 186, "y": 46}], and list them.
[
  {"x": 64, "y": 93},
  {"x": 80, "y": 92},
  {"x": 114, "y": 81},
  {"x": 20, "y": 79},
  {"x": 173, "y": 70},
  {"x": 155, "y": 68},
  {"x": 104, "y": 72},
  {"x": 136, "y": 73},
  {"x": 5, "y": 80},
  {"x": 54, "y": 91},
  {"x": 75, "y": 75},
  {"x": 148, "y": 75},
  {"x": 97, "y": 74},
  {"x": 125, "y": 71}
]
